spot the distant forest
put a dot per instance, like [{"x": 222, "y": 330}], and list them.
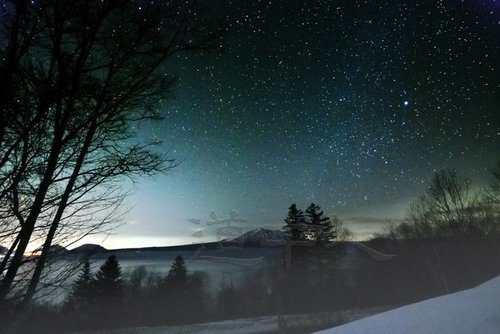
[
  {"x": 79, "y": 78},
  {"x": 455, "y": 250}
]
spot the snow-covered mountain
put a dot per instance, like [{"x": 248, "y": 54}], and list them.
[
  {"x": 259, "y": 236},
  {"x": 475, "y": 310}
]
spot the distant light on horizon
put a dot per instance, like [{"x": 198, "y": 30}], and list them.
[
  {"x": 359, "y": 131},
  {"x": 363, "y": 228},
  {"x": 120, "y": 241}
]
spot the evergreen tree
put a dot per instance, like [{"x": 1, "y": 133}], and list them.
[
  {"x": 173, "y": 293},
  {"x": 294, "y": 222},
  {"x": 108, "y": 282},
  {"x": 325, "y": 229},
  {"x": 80, "y": 297},
  {"x": 178, "y": 273}
]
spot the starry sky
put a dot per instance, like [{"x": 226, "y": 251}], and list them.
[{"x": 349, "y": 104}]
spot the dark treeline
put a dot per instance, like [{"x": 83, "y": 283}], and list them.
[
  {"x": 450, "y": 207},
  {"x": 348, "y": 280},
  {"x": 451, "y": 242},
  {"x": 105, "y": 300},
  {"x": 78, "y": 78}
]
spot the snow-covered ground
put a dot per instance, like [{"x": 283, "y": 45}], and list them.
[
  {"x": 475, "y": 310},
  {"x": 257, "y": 325}
]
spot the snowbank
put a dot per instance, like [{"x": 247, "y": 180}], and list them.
[{"x": 470, "y": 311}]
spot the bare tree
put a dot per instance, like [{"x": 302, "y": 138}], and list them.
[
  {"x": 450, "y": 199},
  {"x": 489, "y": 206},
  {"x": 91, "y": 70},
  {"x": 493, "y": 195},
  {"x": 448, "y": 207}
]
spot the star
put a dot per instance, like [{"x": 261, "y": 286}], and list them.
[{"x": 287, "y": 111}]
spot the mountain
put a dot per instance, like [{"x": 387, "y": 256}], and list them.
[
  {"x": 57, "y": 250},
  {"x": 188, "y": 247},
  {"x": 88, "y": 249},
  {"x": 259, "y": 236}
]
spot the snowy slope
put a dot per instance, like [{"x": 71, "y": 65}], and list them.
[
  {"x": 474, "y": 311},
  {"x": 470, "y": 311}
]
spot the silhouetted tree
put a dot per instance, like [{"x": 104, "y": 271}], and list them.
[
  {"x": 172, "y": 293},
  {"x": 449, "y": 199},
  {"x": 108, "y": 283},
  {"x": 81, "y": 294},
  {"x": 447, "y": 208},
  {"x": 493, "y": 194},
  {"x": 138, "y": 278},
  {"x": 82, "y": 75},
  {"x": 490, "y": 204},
  {"x": 198, "y": 298},
  {"x": 294, "y": 224},
  {"x": 108, "y": 294},
  {"x": 79, "y": 306},
  {"x": 325, "y": 229},
  {"x": 178, "y": 273}
]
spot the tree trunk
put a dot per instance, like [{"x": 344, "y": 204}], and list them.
[
  {"x": 8, "y": 254},
  {"x": 40, "y": 264},
  {"x": 29, "y": 225}
]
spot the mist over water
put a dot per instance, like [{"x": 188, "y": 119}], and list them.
[{"x": 158, "y": 263}]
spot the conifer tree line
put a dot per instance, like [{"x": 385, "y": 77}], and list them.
[
  {"x": 312, "y": 224},
  {"x": 318, "y": 281},
  {"x": 106, "y": 300},
  {"x": 104, "y": 288}
]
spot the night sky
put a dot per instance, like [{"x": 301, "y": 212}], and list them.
[{"x": 350, "y": 104}]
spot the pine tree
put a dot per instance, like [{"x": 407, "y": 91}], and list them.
[
  {"x": 108, "y": 282},
  {"x": 173, "y": 292},
  {"x": 80, "y": 297},
  {"x": 294, "y": 222},
  {"x": 326, "y": 230},
  {"x": 178, "y": 273}
]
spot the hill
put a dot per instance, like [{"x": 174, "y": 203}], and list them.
[
  {"x": 57, "y": 250},
  {"x": 88, "y": 249},
  {"x": 188, "y": 247}
]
